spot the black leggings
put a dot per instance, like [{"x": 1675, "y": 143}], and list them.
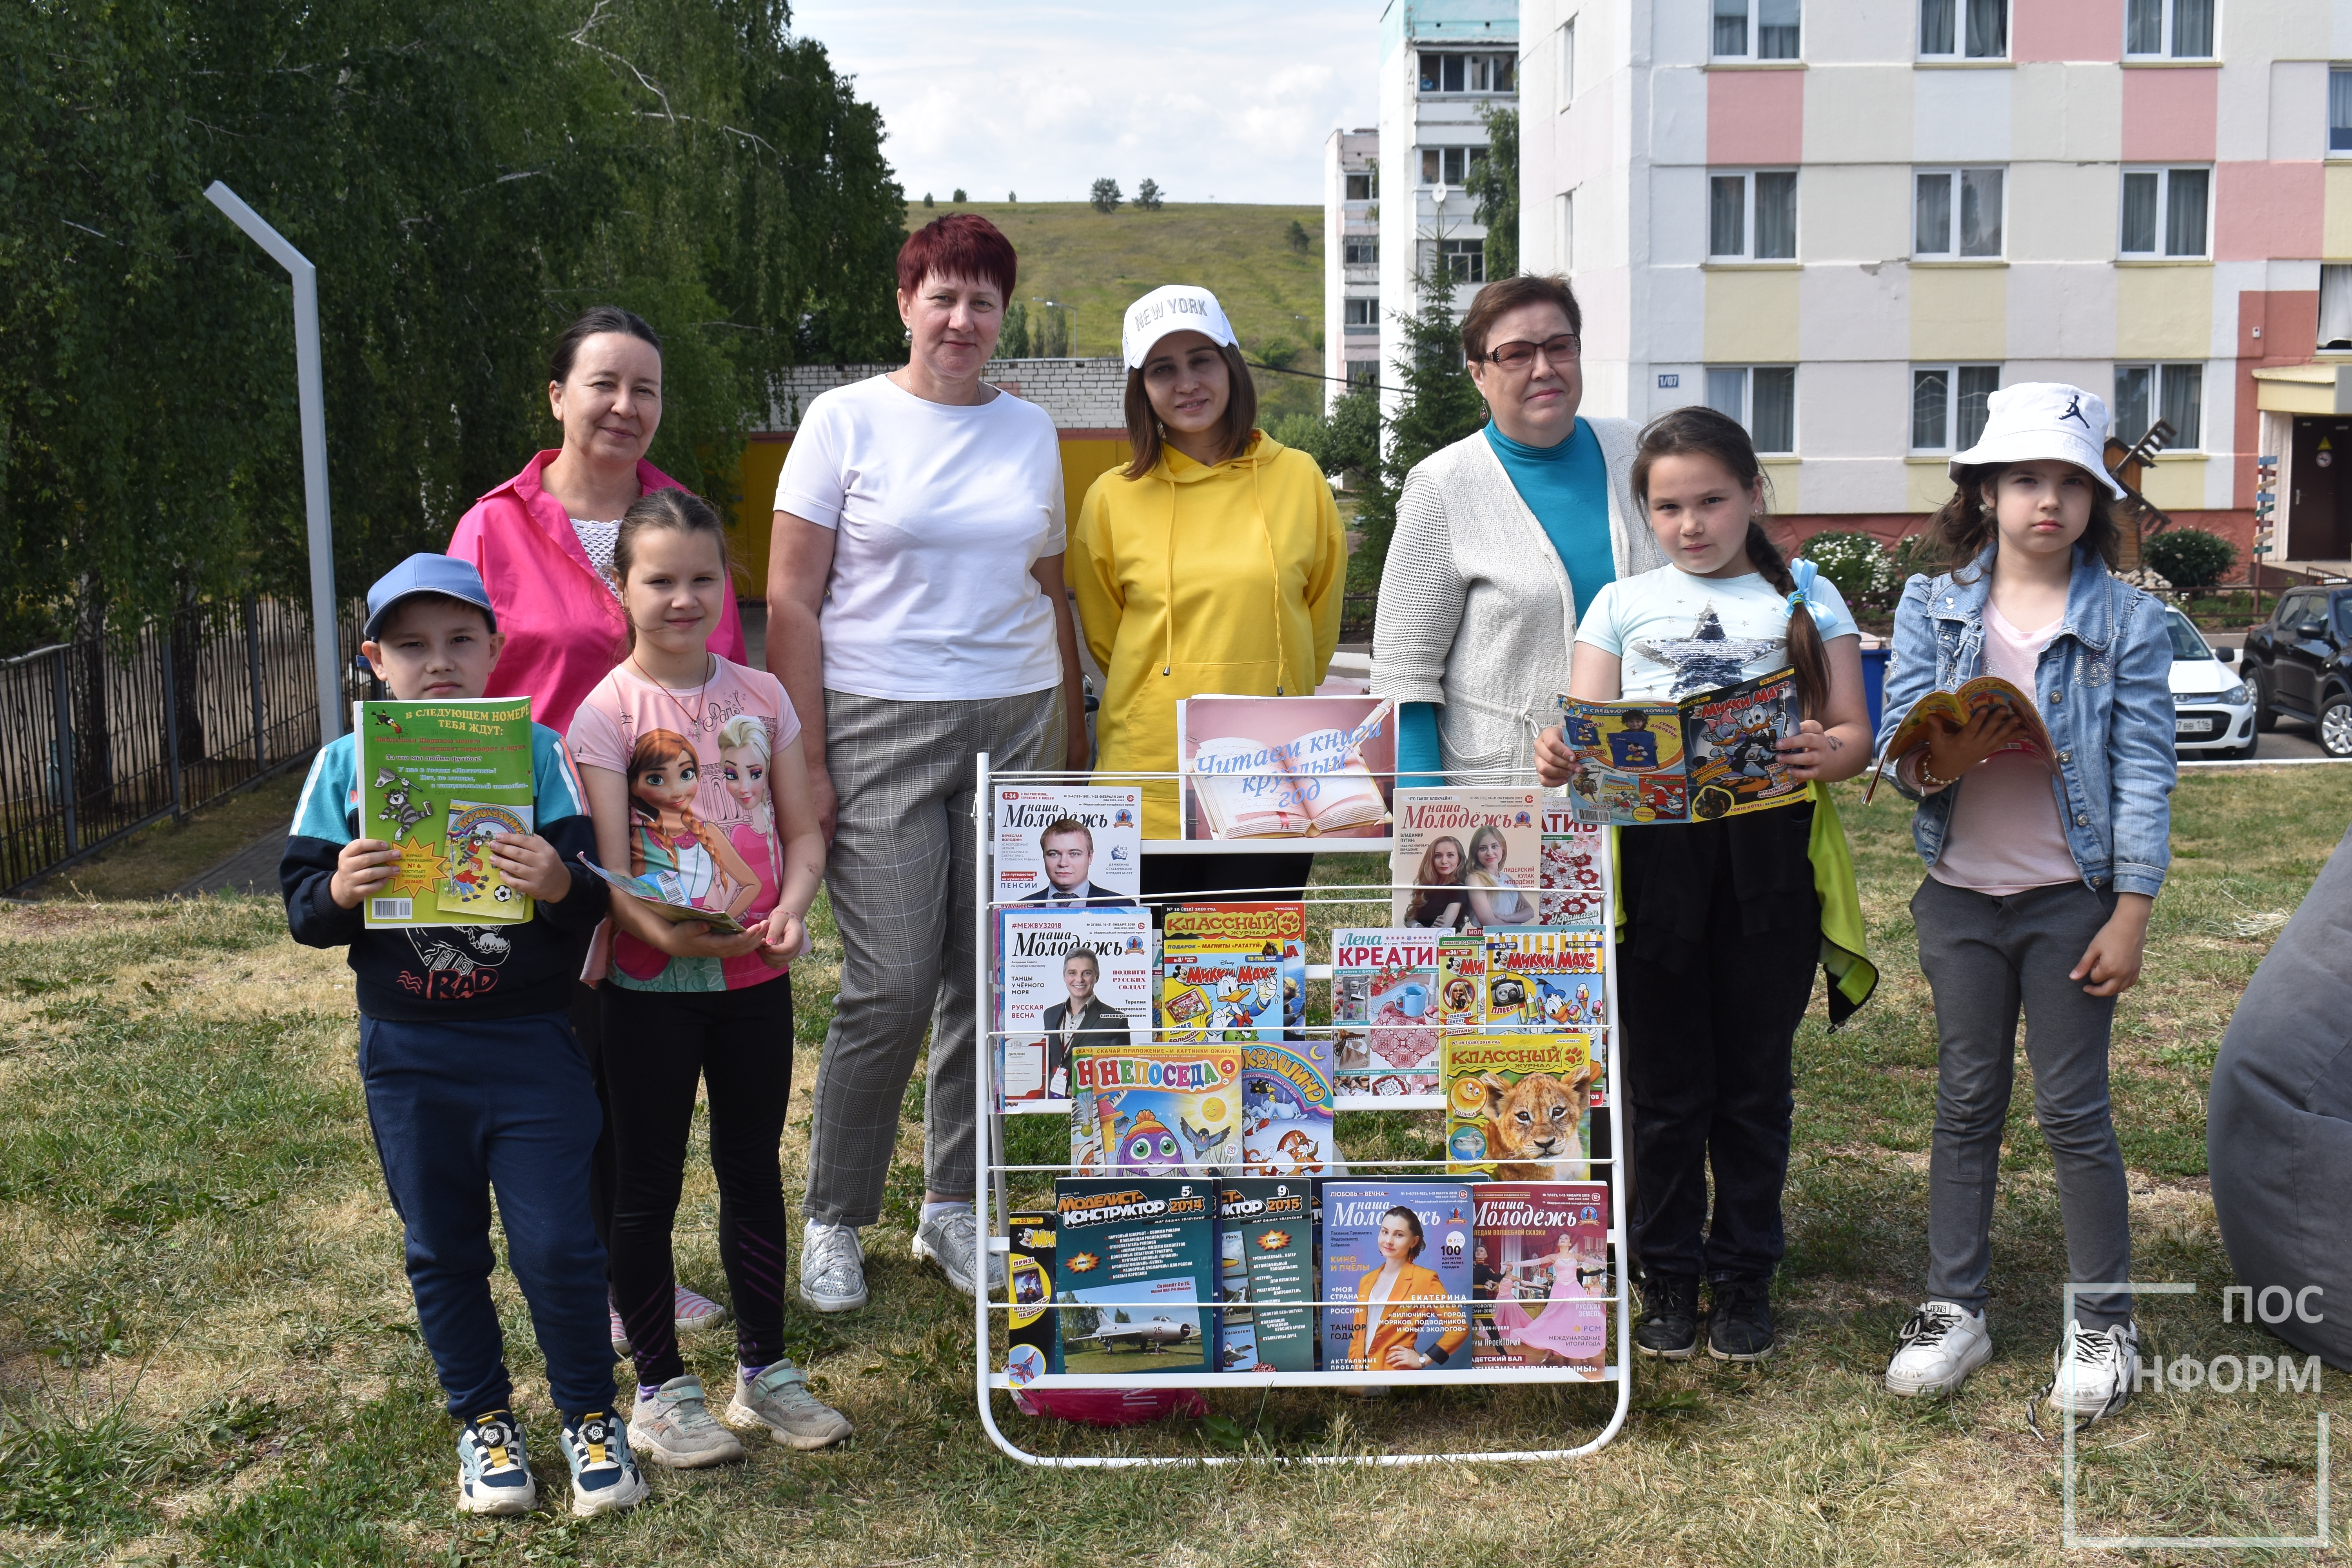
[{"x": 657, "y": 1043}]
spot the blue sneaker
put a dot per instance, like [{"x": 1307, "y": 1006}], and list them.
[
  {"x": 493, "y": 1474},
  {"x": 604, "y": 1479}
]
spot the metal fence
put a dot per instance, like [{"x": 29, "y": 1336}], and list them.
[{"x": 100, "y": 737}]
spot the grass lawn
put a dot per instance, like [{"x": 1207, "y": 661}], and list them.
[
  {"x": 207, "y": 1351},
  {"x": 152, "y": 861}
]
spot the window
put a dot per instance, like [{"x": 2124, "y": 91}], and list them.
[
  {"x": 2164, "y": 212},
  {"x": 1448, "y": 165},
  {"x": 2169, "y": 30},
  {"x": 1755, "y": 30},
  {"x": 2172, "y": 393},
  {"x": 1752, "y": 217},
  {"x": 1359, "y": 252},
  {"x": 1956, "y": 212},
  {"x": 2339, "y": 112},
  {"x": 1464, "y": 260},
  {"x": 1363, "y": 371},
  {"x": 1963, "y": 29},
  {"x": 1359, "y": 187},
  {"x": 1948, "y": 404},
  {"x": 1567, "y": 236},
  {"x": 1568, "y": 63},
  {"x": 1466, "y": 73},
  {"x": 1363, "y": 312},
  {"x": 2336, "y": 306},
  {"x": 1762, "y": 397}
]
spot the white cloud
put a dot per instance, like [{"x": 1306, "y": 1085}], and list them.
[{"x": 1217, "y": 98}]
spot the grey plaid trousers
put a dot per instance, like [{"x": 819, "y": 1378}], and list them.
[{"x": 901, "y": 877}]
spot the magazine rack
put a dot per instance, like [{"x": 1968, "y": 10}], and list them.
[{"x": 991, "y": 1173}]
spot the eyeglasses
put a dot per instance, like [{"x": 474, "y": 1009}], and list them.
[{"x": 1565, "y": 349}]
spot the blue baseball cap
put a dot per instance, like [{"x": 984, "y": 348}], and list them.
[{"x": 424, "y": 572}]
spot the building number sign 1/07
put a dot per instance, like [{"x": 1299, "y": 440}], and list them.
[{"x": 1669, "y": 379}]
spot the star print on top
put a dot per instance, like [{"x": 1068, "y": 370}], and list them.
[{"x": 1678, "y": 634}]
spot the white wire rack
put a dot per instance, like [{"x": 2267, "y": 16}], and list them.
[{"x": 991, "y": 1173}]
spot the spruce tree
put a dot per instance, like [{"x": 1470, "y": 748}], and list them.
[
  {"x": 1494, "y": 183},
  {"x": 1440, "y": 405}
]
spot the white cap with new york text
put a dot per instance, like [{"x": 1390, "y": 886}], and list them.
[{"x": 1173, "y": 308}]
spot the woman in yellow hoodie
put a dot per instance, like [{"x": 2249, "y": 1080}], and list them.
[{"x": 1213, "y": 563}]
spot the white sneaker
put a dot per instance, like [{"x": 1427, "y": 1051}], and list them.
[
  {"x": 605, "y": 1474},
  {"x": 674, "y": 1427},
  {"x": 2096, "y": 1368},
  {"x": 780, "y": 1400},
  {"x": 1942, "y": 1343},
  {"x": 493, "y": 1473},
  {"x": 952, "y": 1239},
  {"x": 832, "y": 1268}
]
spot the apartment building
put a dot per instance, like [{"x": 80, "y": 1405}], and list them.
[
  {"x": 1352, "y": 259},
  {"x": 1846, "y": 224}
]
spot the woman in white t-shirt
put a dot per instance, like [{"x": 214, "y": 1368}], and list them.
[{"x": 916, "y": 616}]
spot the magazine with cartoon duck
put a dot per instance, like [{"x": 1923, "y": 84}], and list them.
[
  {"x": 1266, "y": 1233},
  {"x": 1212, "y": 992},
  {"x": 438, "y": 780},
  {"x": 1136, "y": 1264},
  {"x": 1168, "y": 1109},
  {"x": 1519, "y": 1106},
  {"x": 1384, "y": 1010},
  {"x": 1539, "y": 1271},
  {"x": 1712, "y": 755},
  {"x": 1252, "y": 928},
  {"x": 1545, "y": 977}
]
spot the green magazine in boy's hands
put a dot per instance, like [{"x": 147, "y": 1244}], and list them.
[{"x": 438, "y": 781}]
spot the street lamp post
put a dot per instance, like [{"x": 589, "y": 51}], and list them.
[{"x": 310, "y": 389}]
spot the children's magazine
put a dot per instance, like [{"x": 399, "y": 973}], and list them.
[
  {"x": 1285, "y": 767},
  {"x": 1161, "y": 1110},
  {"x": 1467, "y": 858},
  {"x": 1519, "y": 1106},
  {"x": 665, "y": 898},
  {"x": 1251, "y": 928},
  {"x": 1096, "y": 855},
  {"x": 438, "y": 781},
  {"x": 1384, "y": 1010},
  {"x": 1065, "y": 978},
  {"x": 1288, "y": 1123},
  {"x": 1462, "y": 981},
  {"x": 1208, "y": 992},
  {"x": 1712, "y": 755},
  {"x": 1539, "y": 1269},
  {"x": 1543, "y": 977},
  {"x": 1267, "y": 1234},
  {"x": 1956, "y": 708},
  {"x": 1135, "y": 1274},
  {"x": 1399, "y": 1251},
  {"x": 1032, "y": 1346}
]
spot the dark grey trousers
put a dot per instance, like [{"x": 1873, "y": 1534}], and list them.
[{"x": 1987, "y": 957}]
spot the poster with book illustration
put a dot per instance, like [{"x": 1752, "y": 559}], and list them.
[
  {"x": 1539, "y": 1272},
  {"x": 1066, "y": 978},
  {"x": 1545, "y": 977},
  {"x": 1711, "y": 755},
  {"x": 1285, "y": 767},
  {"x": 1135, "y": 1274},
  {"x": 1069, "y": 845},
  {"x": 1519, "y": 1106},
  {"x": 438, "y": 780},
  {"x": 1467, "y": 858},
  {"x": 1384, "y": 1010},
  {"x": 1573, "y": 887},
  {"x": 1168, "y": 1109},
  {"x": 1396, "y": 1268},
  {"x": 1264, "y": 929}
]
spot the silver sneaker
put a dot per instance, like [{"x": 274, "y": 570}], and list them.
[
  {"x": 1942, "y": 1343},
  {"x": 675, "y": 1428},
  {"x": 780, "y": 1400},
  {"x": 2096, "y": 1371},
  {"x": 952, "y": 1241},
  {"x": 832, "y": 1268}
]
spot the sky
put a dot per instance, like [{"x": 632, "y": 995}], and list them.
[{"x": 1216, "y": 99}]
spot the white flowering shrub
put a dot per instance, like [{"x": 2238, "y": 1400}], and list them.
[{"x": 1857, "y": 563}]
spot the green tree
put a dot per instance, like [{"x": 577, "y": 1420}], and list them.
[
  {"x": 1013, "y": 343},
  {"x": 1346, "y": 441},
  {"x": 1439, "y": 407},
  {"x": 1297, "y": 237},
  {"x": 1493, "y": 182},
  {"x": 1105, "y": 196},
  {"x": 959, "y": 195},
  {"x": 1148, "y": 196}
]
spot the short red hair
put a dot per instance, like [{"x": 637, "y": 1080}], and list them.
[{"x": 960, "y": 244}]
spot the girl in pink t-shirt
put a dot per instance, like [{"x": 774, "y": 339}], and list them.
[{"x": 692, "y": 765}]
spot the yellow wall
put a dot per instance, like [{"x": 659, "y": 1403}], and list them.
[
  {"x": 1751, "y": 315},
  {"x": 1083, "y": 459},
  {"x": 1959, "y": 313},
  {"x": 2176, "y": 483},
  {"x": 2164, "y": 312},
  {"x": 2335, "y": 240}
]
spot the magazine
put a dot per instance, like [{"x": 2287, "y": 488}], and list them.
[
  {"x": 1095, "y": 857},
  {"x": 1252, "y": 928},
  {"x": 1288, "y": 1126},
  {"x": 1546, "y": 978},
  {"x": 1956, "y": 708},
  {"x": 438, "y": 780},
  {"x": 1519, "y": 1107},
  {"x": 660, "y": 892},
  {"x": 1384, "y": 1010},
  {"x": 1032, "y": 1347},
  {"x": 1539, "y": 1271},
  {"x": 1572, "y": 887},
  {"x": 1160, "y": 1109},
  {"x": 1212, "y": 993},
  {"x": 1462, "y": 981},
  {"x": 1713, "y": 754},
  {"x": 1419, "y": 1307},
  {"x": 1266, "y": 1237},
  {"x": 1285, "y": 767},
  {"x": 1467, "y": 858},
  {"x": 1135, "y": 1274},
  {"x": 1065, "y": 978}
]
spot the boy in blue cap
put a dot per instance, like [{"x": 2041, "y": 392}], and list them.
[{"x": 475, "y": 1080}]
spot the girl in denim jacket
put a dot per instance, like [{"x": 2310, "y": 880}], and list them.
[{"x": 2040, "y": 871}]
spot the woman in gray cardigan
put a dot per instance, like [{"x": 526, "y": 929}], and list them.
[{"x": 1501, "y": 540}]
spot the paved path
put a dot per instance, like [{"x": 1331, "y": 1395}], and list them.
[{"x": 252, "y": 869}]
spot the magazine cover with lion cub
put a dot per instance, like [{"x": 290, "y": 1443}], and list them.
[{"x": 1519, "y": 1107}]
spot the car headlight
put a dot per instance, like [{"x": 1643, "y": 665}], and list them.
[{"x": 2238, "y": 696}]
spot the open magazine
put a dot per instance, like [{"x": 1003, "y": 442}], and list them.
[
  {"x": 1713, "y": 754},
  {"x": 660, "y": 892},
  {"x": 1285, "y": 767},
  {"x": 1956, "y": 708}
]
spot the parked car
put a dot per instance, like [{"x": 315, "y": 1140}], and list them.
[
  {"x": 2212, "y": 711},
  {"x": 2299, "y": 663}
]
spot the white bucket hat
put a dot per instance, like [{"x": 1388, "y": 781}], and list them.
[
  {"x": 1173, "y": 308},
  {"x": 2038, "y": 419}
]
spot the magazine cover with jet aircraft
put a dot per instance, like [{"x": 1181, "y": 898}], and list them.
[{"x": 1135, "y": 1274}]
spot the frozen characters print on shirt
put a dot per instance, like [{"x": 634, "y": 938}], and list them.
[
  {"x": 743, "y": 771},
  {"x": 668, "y": 839}
]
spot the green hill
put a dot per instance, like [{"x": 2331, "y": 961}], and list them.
[{"x": 1098, "y": 263}]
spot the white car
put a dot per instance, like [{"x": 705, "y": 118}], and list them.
[{"x": 2212, "y": 709}]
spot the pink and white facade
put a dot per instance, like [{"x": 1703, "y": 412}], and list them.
[{"x": 1845, "y": 222}]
